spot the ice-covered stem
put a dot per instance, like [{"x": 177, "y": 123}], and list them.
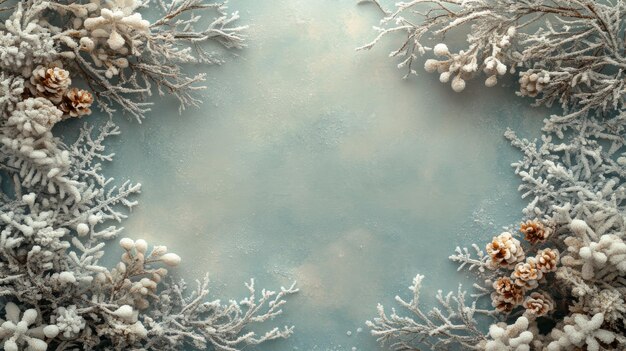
[
  {"x": 569, "y": 52},
  {"x": 452, "y": 325},
  {"x": 190, "y": 320},
  {"x": 465, "y": 259}
]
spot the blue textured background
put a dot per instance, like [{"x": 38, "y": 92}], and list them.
[{"x": 309, "y": 161}]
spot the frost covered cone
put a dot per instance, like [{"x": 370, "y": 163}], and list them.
[
  {"x": 57, "y": 209},
  {"x": 559, "y": 283}
]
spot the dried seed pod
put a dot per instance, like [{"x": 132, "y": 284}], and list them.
[
  {"x": 50, "y": 82},
  {"x": 77, "y": 102},
  {"x": 538, "y": 304},
  {"x": 505, "y": 251},
  {"x": 535, "y": 231}
]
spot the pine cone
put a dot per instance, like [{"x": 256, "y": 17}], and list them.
[
  {"x": 77, "y": 102},
  {"x": 501, "y": 304},
  {"x": 538, "y": 304},
  {"x": 547, "y": 259},
  {"x": 505, "y": 251},
  {"x": 50, "y": 82},
  {"x": 508, "y": 291},
  {"x": 535, "y": 231},
  {"x": 527, "y": 274}
]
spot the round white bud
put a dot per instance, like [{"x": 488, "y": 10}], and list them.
[
  {"x": 458, "y": 84},
  {"x": 127, "y": 243},
  {"x": 67, "y": 277},
  {"x": 138, "y": 329},
  {"x": 93, "y": 219},
  {"x": 51, "y": 331},
  {"x": 444, "y": 77},
  {"x": 158, "y": 251},
  {"x": 82, "y": 229},
  {"x": 29, "y": 199},
  {"x": 171, "y": 259},
  {"x": 87, "y": 44},
  {"x": 35, "y": 344},
  {"x": 124, "y": 312},
  {"x": 30, "y": 316},
  {"x": 578, "y": 226},
  {"x": 141, "y": 245},
  {"x": 491, "y": 81},
  {"x": 585, "y": 252},
  {"x": 10, "y": 345},
  {"x": 441, "y": 49},
  {"x": 431, "y": 65}
]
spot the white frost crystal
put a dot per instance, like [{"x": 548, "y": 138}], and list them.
[
  {"x": 68, "y": 321},
  {"x": 113, "y": 24},
  {"x": 16, "y": 333}
]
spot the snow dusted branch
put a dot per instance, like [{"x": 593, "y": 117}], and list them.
[
  {"x": 113, "y": 40},
  {"x": 566, "y": 273},
  {"x": 566, "y": 52},
  {"x": 59, "y": 210},
  {"x": 452, "y": 325}
]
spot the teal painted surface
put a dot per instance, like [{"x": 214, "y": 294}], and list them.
[{"x": 309, "y": 161}]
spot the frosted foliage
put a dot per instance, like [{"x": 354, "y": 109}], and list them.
[
  {"x": 514, "y": 337},
  {"x": 441, "y": 328},
  {"x": 58, "y": 210},
  {"x": 25, "y": 43},
  {"x": 565, "y": 52},
  {"x": 574, "y": 178},
  {"x": 99, "y": 39}
]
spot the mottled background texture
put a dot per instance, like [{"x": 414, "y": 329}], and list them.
[{"x": 309, "y": 161}]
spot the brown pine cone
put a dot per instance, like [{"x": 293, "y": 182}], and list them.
[
  {"x": 505, "y": 251},
  {"x": 77, "y": 102},
  {"x": 501, "y": 304},
  {"x": 50, "y": 82},
  {"x": 547, "y": 259},
  {"x": 527, "y": 274},
  {"x": 535, "y": 231},
  {"x": 508, "y": 291},
  {"x": 538, "y": 304}
]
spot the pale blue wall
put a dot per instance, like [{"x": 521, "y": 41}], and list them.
[{"x": 309, "y": 161}]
